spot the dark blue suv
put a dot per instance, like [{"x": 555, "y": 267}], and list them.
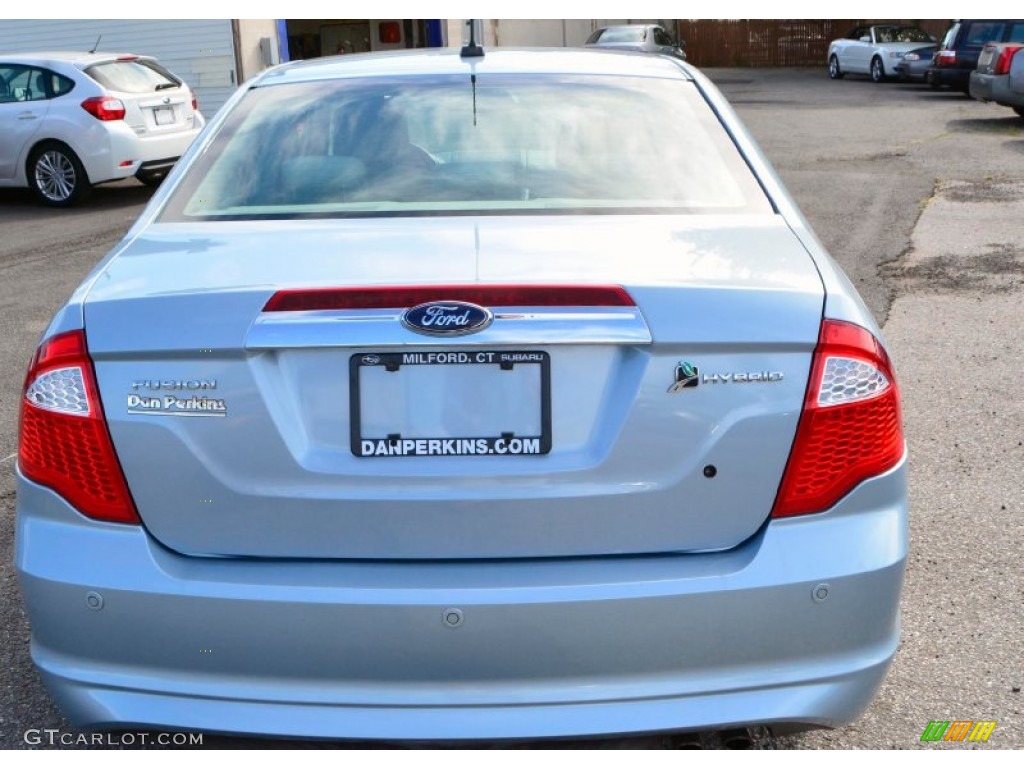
[{"x": 958, "y": 54}]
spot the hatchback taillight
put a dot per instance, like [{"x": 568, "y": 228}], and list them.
[
  {"x": 63, "y": 440},
  {"x": 104, "y": 108},
  {"x": 1005, "y": 57},
  {"x": 851, "y": 427},
  {"x": 945, "y": 58}
]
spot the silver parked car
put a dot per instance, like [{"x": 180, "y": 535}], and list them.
[
  {"x": 646, "y": 38},
  {"x": 874, "y": 50},
  {"x": 1000, "y": 76},
  {"x": 70, "y": 120},
  {"x": 438, "y": 397}
]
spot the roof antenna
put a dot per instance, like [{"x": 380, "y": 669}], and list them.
[
  {"x": 471, "y": 48},
  {"x": 98, "y": 44},
  {"x": 472, "y": 79}
]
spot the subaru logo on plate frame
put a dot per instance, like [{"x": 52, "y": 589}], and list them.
[{"x": 447, "y": 318}]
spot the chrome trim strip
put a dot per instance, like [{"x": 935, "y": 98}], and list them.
[{"x": 381, "y": 328}]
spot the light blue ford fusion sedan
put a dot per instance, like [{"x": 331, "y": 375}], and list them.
[{"x": 450, "y": 397}]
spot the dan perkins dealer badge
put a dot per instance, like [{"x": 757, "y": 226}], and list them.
[{"x": 178, "y": 404}]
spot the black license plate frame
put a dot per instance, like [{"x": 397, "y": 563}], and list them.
[{"x": 398, "y": 445}]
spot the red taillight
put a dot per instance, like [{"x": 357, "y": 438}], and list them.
[
  {"x": 1005, "y": 57},
  {"x": 104, "y": 108},
  {"x": 945, "y": 58},
  {"x": 850, "y": 429},
  {"x": 64, "y": 443},
  {"x": 398, "y": 297},
  {"x": 195, "y": 103}
]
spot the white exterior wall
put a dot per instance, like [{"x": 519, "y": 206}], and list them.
[
  {"x": 200, "y": 51},
  {"x": 250, "y": 55}
]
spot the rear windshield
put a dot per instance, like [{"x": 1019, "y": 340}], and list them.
[
  {"x": 947, "y": 41},
  {"x": 132, "y": 76},
  {"x": 981, "y": 32},
  {"x": 626, "y": 35},
  {"x": 505, "y": 144}
]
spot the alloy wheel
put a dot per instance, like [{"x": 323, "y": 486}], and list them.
[
  {"x": 877, "y": 73},
  {"x": 55, "y": 176}
]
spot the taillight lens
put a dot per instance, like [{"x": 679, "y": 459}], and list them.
[
  {"x": 1005, "y": 57},
  {"x": 195, "y": 103},
  {"x": 398, "y": 297},
  {"x": 104, "y": 108},
  {"x": 64, "y": 443},
  {"x": 851, "y": 426},
  {"x": 945, "y": 58}
]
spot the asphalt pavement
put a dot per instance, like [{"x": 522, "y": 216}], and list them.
[{"x": 919, "y": 196}]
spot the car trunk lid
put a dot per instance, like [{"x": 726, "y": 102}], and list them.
[{"x": 669, "y": 419}]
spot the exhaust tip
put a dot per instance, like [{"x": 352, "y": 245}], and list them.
[{"x": 739, "y": 738}]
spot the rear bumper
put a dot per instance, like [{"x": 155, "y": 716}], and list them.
[
  {"x": 121, "y": 153},
  {"x": 985, "y": 87},
  {"x": 540, "y": 649},
  {"x": 951, "y": 76},
  {"x": 156, "y": 166}
]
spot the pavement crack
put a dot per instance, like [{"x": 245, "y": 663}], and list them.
[
  {"x": 888, "y": 268},
  {"x": 38, "y": 252}
]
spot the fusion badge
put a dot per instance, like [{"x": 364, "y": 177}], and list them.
[{"x": 447, "y": 318}]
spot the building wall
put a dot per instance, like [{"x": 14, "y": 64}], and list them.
[
  {"x": 544, "y": 32},
  {"x": 250, "y": 55},
  {"x": 554, "y": 33},
  {"x": 328, "y": 37}
]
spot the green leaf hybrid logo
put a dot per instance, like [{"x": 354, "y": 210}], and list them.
[{"x": 686, "y": 376}]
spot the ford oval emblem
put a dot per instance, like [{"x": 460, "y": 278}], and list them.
[{"x": 447, "y": 318}]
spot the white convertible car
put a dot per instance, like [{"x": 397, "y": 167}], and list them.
[{"x": 874, "y": 50}]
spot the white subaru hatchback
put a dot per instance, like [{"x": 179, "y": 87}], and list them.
[
  {"x": 465, "y": 397},
  {"x": 72, "y": 120}
]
